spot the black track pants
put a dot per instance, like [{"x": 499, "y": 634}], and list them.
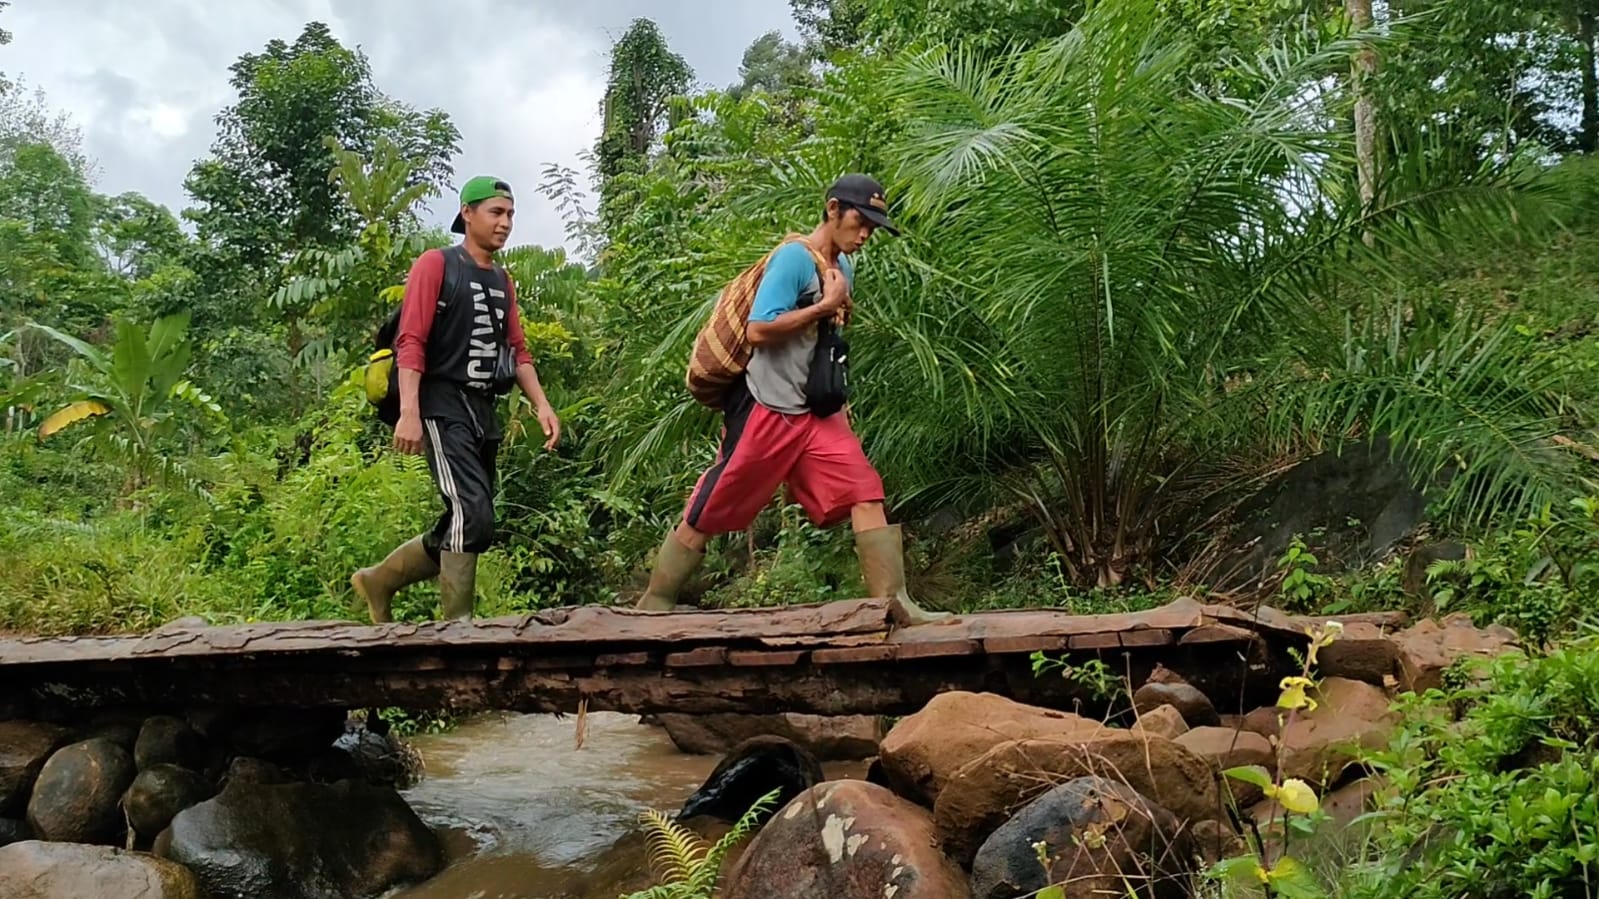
[{"x": 463, "y": 466}]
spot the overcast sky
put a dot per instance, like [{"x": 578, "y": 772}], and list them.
[{"x": 521, "y": 79}]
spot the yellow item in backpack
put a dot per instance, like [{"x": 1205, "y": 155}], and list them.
[{"x": 378, "y": 367}]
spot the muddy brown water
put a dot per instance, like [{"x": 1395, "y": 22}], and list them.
[{"x": 526, "y": 815}]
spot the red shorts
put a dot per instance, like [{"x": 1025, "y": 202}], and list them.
[{"x": 820, "y": 459}]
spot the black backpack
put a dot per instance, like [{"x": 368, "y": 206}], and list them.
[{"x": 382, "y": 375}]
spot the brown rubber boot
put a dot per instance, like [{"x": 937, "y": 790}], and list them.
[
  {"x": 674, "y": 563},
  {"x": 406, "y": 565},
  {"x": 457, "y": 584},
  {"x": 882, "y": 555}
]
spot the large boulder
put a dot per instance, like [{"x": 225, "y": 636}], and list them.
[
  {"x": 846, "y": 839},
  {"x": 1319, "y": 745},
  {"x": 988, "y": 790},
  {"x": 753, "y": 769},
  {"x": 1429, "y": 647},
  {"x": 1229, "y": 748},
  {"x": 348, "y": 840},
  {"x": 1100, "y": 838},
  {"x": 924, "y": 750},
  {"x": 40, "y": 870},
  {"x": 24, "y": 748},
  {"x": 76, "y": 799},
  {"x": 828, "y": 738}
]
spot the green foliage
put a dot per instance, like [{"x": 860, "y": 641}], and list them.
[
  {"x": 644, "y": 76},
  {"x": 688, "y": 868},
  {"x": 135, "y": 397},
  {"x": 1491, "y": 784},
  {"x": 265, "y": 190},
  {"x": 1538, "y": 577}
]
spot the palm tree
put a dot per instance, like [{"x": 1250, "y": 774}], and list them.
[{"x": 1115, "y": 286}]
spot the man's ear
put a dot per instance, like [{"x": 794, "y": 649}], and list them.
[{"x": 832, "y": 208}]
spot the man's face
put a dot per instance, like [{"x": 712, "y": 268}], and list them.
[
  {"x": 489, "y": 225},
  {"x": 851, "y": 230}
]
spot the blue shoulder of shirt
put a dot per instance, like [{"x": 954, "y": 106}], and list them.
[{"x": 787, "y": 274}]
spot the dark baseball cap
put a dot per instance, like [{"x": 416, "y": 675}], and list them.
[
  {"x": 866, "y": 195},
  {"x": 480, "y": 188}
]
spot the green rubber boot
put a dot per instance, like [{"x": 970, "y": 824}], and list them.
[
  {"x": 882, "y": 555},
  {"x": 457, "y": 584},
  {"x": 406, "y": 565},
  {"x": 674, "y": 563}
]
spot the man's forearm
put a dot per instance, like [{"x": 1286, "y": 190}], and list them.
[
  {"x": 410, "y": 389},
  {"x": 786, "y": 325},
  {"x": 527, "y": 377}
]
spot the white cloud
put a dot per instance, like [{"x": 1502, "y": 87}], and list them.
[{"x": 144, "y": 80}]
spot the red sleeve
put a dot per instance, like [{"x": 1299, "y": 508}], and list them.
[
  {"x": 416, "y": 310},
  {"x": 513, "y": 331}
]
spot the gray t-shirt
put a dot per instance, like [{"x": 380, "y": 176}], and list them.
[{"x": 777, "y": 372}]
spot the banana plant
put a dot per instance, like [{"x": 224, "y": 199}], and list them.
[{"x": 130, "y": 398}]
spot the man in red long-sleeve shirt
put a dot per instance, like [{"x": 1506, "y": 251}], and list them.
[{"x": 459, "y": 346}]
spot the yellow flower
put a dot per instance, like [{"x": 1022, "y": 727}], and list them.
[
  {"x": 1293, "y": 695},
  {"x": 1295, "y": 796},
  {"x": 1322, "y": 636}
]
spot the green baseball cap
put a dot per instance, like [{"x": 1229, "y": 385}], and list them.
[{"x": 480, "y": 188}]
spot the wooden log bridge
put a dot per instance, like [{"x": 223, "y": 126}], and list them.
[{"x": 831, "y": 659}]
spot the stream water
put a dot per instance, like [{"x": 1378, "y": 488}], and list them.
[{"x": 525, "y": 814}]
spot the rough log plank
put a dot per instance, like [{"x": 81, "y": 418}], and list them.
[{"x": 838, "y": 658}]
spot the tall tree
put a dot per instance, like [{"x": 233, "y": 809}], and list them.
[
  {"x": 264, "y": 192},
  {"x": 644, "y": 76},
  {"x": 773, "y": 65},
  {"x": 829, "y": 26}
]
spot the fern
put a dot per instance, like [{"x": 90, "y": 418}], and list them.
[{"x": 681, "y": 860}]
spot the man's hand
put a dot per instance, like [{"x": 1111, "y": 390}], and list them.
[
  {"x": 835, "y": 300},
  {"x": 408, "y": 434},
  {"x": 551, "y": 423}
]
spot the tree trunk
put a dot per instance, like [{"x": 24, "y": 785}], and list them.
[
  {"x": 1588, "y": 140},
  {"x": 1365, "y": 66}
]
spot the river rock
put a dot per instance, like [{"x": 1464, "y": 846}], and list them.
[
  {"x": 1227, "y": 748},
  {"x": 923, "y": 751},
  {"x": 1165, "y": 722},
  {"x": 362, "y": 754},
  {"x": 1266, "y": 721},
  {"x": 1195, "y": 707},
  {"x": 13, "y": 830},
  {"x": 828, "y": 738},
  {"x": 158, "y": 793},
  {"x": 985, "y": 792},
  {"x": 24, "y": 748},
  {"x": 76, "y": 797},
  {"x": 40, "y": 870},
  {"x": 846, "y": 839},
  {"x": 254, "y": 771},
  {"x": 754, "y": 768},
  {"x": 348, "y": 840},
  {"x": 1317, "y": 745},
  {"x": 1100, "y": 836},
  {"x": 164, "y": 740},
  {"x": 1363, "y": 652},
  {"x": 1429, "y": 647}
]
